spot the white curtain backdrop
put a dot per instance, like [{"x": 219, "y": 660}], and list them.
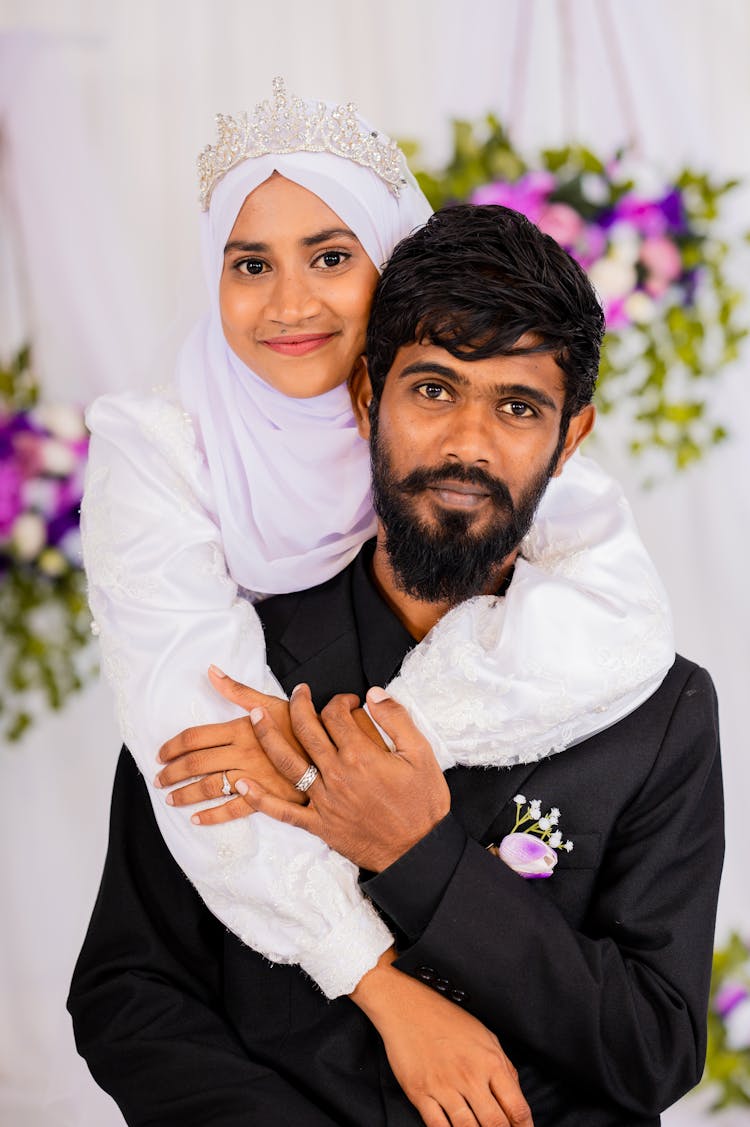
[{"x": 105, "y": 246}]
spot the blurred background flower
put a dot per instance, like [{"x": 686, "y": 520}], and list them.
[{"x": 44, "y": 619}]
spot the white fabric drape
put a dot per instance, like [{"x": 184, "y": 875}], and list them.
[{"x": 151, "y": 76}]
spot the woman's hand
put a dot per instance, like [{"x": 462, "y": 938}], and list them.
[
  {"x": 208, "y": 752},
  {"x": 448, "y": 1064}
]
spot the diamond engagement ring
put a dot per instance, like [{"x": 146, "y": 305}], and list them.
[
  {"x": 307, "y": 779},
  {"x": 226, "y": 786}
]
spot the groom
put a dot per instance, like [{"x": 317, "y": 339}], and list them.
[{"x": 482, "y": 352}]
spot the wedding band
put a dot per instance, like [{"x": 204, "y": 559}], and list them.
[
  {"x": 307, "y": 779},
  {"x": 226, "y": 786}
]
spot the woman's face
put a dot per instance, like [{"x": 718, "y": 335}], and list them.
[{"x": 295, "y": 290}]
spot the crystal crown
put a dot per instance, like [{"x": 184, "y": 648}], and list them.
[{"x": 289, "y": 125}]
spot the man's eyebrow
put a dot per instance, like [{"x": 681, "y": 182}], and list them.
[
  {"x": 309, "y": 241},
  {"x": 499, "y": 390}
]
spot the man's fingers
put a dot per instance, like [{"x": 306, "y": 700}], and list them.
[
  {"x": 504, "y": 1084},
  {"x": 432, "y": 1113},
  {"x": 286, "y": 759},
  {"x": 307, "y": 727},
  {"x": 243, "y": 695},
  {"x": 397, "y": 723}
]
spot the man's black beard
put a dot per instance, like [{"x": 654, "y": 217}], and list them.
[{"x": 447, "y": 562}]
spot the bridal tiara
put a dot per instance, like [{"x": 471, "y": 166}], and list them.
[{"x": 287, "y": 124}]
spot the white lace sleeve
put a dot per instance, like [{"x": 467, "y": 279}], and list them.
[
  {"x": 583, "y": 636},
  {"x": 165, "y": 608}
]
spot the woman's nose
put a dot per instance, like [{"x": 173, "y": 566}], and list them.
[{"x": 291, "y": 299}]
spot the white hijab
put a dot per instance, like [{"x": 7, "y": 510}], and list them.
[{"x": 291, "y": 477}]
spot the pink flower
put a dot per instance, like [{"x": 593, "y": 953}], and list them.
[
  {"x": 661, "y": 258},
  {"x": 527, "y": 855},
  {"x": 527, "y": 195},
  {"x": 561, "y": 222}
]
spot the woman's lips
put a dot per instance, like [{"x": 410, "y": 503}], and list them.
[{"x": 298, "y": 345}]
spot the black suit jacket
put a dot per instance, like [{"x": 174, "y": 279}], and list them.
[{"x": 595, "y": 979}]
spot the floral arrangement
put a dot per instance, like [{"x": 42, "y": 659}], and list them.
[
  {"x": 728, "y": 1057},
  {"x": 651, "y": 250},
  {"x": 44, "y": 618},
  {"x": 529, "y": 848}
]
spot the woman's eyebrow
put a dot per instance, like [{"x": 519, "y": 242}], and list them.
[
  {"x": 247, "y": 248},
  {"x": 325, "y": 236}
]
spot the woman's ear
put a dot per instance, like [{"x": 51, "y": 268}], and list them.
[{"x": 360, "y": 391}]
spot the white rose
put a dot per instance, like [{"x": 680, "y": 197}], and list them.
[
  {"x": 57, "y": 457},
  {"x": 61, "y": 419},
  {"x": 640, "y": 308},
  {"x": 612, "y": 278},
  {"x": 29, "y": 535}
]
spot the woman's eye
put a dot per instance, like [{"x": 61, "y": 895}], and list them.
[
  {"x": 433, "y": 391},
  {"x": 332, "y": 258},
  {"x": 251, "y": 266},
  {"x": 517, "y": 409}
]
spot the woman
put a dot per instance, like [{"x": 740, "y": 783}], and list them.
[{"x": 248, "y": 478}]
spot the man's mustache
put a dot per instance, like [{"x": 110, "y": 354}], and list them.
[{"x": 420, "y": 479}]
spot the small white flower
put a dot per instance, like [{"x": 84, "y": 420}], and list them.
[
  {"x": 568, "y": 846},
  {"x": 738, "y": 1027},
  {"x": 29, "y": 535},
  {"x": 52, "y": 562},
  {"x": 520, "y": 799},
  {"x": 535, "y": 808},
  {"x": 613, "y": 277},
  {"x": 554, "y": 815},
  {"x": 545, "y": 824},
  {"x": 57, "y": 457},
  {"x": 639, "y": 307},
  {"x": 555, "y": 839},
  {"x": 594, "y": 188},
  {"x": 61, "y": 419}
]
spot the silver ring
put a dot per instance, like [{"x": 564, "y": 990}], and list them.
[
  {"x": 226, "y": 786},
  {"x": 307, "y": 779}
]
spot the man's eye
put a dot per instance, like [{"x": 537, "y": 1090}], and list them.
[
  {"x": 433, "y": 391},
  {"x": 517, "y": 409},
  {"x": 251, "y": 266}
]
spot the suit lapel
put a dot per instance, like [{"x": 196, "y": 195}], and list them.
[{"x": 480, "y": 794}]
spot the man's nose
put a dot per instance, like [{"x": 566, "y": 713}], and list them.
[
  {"x": 468, "y": 435},
  {"x": 292, "y": 298}
]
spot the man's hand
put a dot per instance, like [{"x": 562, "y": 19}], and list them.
[
  {"x": 449, "y": 1065},
  {"x": 206, "y": 752},
  {"x": 368, "y": 804}
]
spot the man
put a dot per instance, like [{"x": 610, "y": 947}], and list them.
[{"x": 482, "y": 354}]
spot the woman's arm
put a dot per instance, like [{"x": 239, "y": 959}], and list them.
[{"x": 164, "y": 609}]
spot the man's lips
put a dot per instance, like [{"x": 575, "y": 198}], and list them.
[
  {"x": 299, "y": 344},
  {"x": 459, "y": 495}
]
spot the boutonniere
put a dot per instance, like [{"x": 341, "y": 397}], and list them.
[{"x": 531, "y": 851}]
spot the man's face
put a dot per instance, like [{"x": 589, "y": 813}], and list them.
[{"x": 462, "y": 452}]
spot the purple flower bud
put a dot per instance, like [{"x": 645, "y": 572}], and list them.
[
  {"x": 729, "y": 996},
  {"x": 527, "y": 855}
]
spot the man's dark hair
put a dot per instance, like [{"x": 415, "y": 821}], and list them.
[{"x": 474, "y": 280}]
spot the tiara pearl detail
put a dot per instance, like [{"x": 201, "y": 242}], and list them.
[{"x": 289, "y": 125}]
